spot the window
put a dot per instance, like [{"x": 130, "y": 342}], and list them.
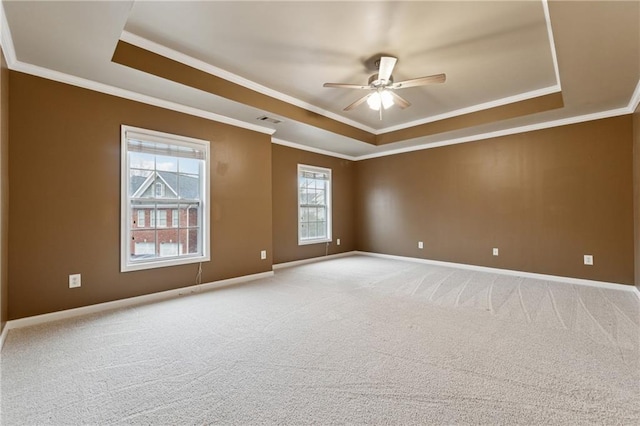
[
  {"x": 162, "y": 173},
  {"x": 174, "y": 218},
  {"x": 159, "y": 189},
  {"x": 314, "y": 204},
  {"x": 162, "y": 218}
]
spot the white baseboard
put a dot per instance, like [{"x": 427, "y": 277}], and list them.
[
  {"x": 123, "y": 303},
  {"x": 155, "y": 297},
  {"x": 312, "y": 260},
  {"x": 569, "y": 280},
  {"x": 3, "y": 336}
]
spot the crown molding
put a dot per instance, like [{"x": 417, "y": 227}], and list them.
[
  {"x": 504, "y": 132},
  {"x": 167, "y": 52},
  {"x": 13, "y": 63},
  {"x": 552, "y": 43},
  {"x": 134, "y": 96},
  {"x": 190, "y": 61},
  {"x": 311, "y": 149},
  {"x": 635, "y": 99},
  {"x": 474, "y": 108},
  {"x": 6, "y": 41}
]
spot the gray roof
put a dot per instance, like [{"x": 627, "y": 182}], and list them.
[{"x": 189, "y": 185}]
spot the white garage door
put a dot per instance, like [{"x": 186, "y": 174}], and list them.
[{"x": 145, "y": 248}]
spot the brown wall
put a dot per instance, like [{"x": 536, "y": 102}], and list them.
[
  {"x": 4, "y": 191},
  {"x": 543, "y": 198},
  {"x": 636, "y": 191},
  {"x": 285, "y": 162},
  {"x": 65, "y": 204}
]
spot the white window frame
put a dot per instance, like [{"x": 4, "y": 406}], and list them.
[
  {"x": 328, "y": 202},
  {"x": 141, "y": 222},
  {"x": 126, "y": 222}
]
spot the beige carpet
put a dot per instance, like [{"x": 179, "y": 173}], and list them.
[{"x": 356, "y": 340}]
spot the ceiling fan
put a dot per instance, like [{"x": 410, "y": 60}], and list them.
[{"x": 382, "y": 88}]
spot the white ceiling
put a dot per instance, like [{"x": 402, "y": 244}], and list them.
[{"x": 489, "y": 50}]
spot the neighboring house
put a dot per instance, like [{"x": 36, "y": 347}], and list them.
[{"x": 165, "y": 218}]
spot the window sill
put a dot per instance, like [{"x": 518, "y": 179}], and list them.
[
  {"x": 309, "y": 242},
  {"x": 155, "y": 264}
]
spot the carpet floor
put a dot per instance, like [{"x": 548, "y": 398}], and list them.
[{"x": 355, "y": 340}]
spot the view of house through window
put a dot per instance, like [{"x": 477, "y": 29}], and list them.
[
  {"x": 165, "y": 199},
  {"x": 314, "y": 204}
]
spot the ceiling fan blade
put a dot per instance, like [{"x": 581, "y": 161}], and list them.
[
  {"x": 437, "y": 78},
  {"x": 345, "y": 86},
  {"x": 358, "y": 102},
  {"x": 386, "y": 67},
  {"x": 399, "y": 100}
]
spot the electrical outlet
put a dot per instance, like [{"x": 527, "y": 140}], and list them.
[
  {"x": 75, "y": 281},
  {"x": 495, "y": 251},
  {"x": 263, "y": 254},
  {"x": 588, "y": 259},
  {"x": 338, "y": 241},
  {"x": 420, "y": 245}
]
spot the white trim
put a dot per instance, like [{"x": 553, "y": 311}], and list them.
[
  {"x": 132, "y": 301},
  {"x": 552, "y": 43},
  {"x": 234, "y": 78},
  {"x": 7, "y": 44},
  {"x": 635, "y": 99},
  {"x": 637, "y": 292},
  {"x": 311, "y": 149},
  {"x": 312, "y": 260},
  {"x": 568, "y": 280},
  {"x": 204, "y": 221},
  {"x": 328, "y": 204},
  {"x": 3, "y": 336},
  {"x": 6, "y": 40},
  {"x": 133, "y": 96},
  {"x": 126, "y": 94},
  {"x": 499, "y": 133},
  {"x": 474, "y": 108}
]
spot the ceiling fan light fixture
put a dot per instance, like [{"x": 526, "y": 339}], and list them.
[
  {"x": 387, "y": 99},
  {"x": 380, "y": 99},
  {"x": 374, "y": 101}
]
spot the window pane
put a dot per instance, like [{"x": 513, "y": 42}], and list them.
[
  {"x": 322, "y": 228},
  {"x": 168, "y": 242},
  {"x": 189, "y": 166},
  {"x": 139, "y": 160},
  {"x": 188, "y": 186},
  {"x": 143, "y": 244},
  {"x": 166, "y": 164},
  {"x": 189, "y": 240},
  {"x": 165, "y": 198},
  {"x": 137, "y": 180}
]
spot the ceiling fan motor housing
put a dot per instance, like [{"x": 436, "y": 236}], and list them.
[{"x": 375, "y": 83}]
